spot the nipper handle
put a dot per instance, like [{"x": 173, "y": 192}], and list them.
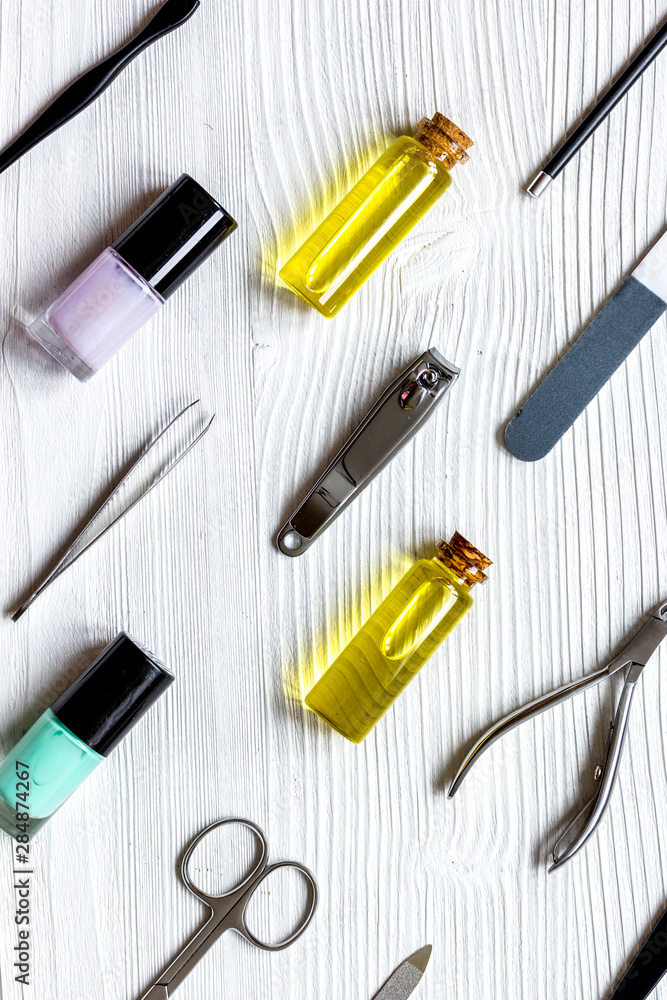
[
  {"x": 520, "y": 715},
  {"x": 609, "y": 772}
]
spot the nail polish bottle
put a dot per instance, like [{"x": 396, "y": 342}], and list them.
[
  {"x": 376, "y": 215},
  {"x": 130, "y": 281},
  {"x": 75, "y": 735},
  {"x": 389, "y": 650}
]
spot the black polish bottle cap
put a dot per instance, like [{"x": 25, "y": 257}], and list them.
[
  {"x": 175, "y": 235},
  {"x": 112, "y": 694}
]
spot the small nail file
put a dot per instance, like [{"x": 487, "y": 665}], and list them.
[
  {"x": 592, "y": 360},
  {"x": 407, "y": 977}
]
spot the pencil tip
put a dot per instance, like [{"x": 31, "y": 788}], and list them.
[{"x": 18, "y": 614}]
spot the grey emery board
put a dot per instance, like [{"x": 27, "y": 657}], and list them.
[{"x": 591, "y": 361}]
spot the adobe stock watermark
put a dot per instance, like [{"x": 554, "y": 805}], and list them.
[{"x": 22, "y": 875}]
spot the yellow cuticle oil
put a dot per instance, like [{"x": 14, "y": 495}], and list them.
[
  {"x": 383, "y": 657},
  {"x": 376, "y": 215}
]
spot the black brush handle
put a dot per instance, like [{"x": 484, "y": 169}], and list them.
[
  {"x": 607, "y": 103},
  {"x": 80, "y": 94}
]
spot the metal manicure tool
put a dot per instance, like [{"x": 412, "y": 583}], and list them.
[
  {"x": 397, "y": 415},
  {"x": 227, "y": 911},
  {"x": 633, "y": 659},
  {"x": 407, "y": 977},
  {"x": 71, "y": 556}
]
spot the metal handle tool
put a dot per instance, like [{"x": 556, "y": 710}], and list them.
[
  {"x": 71, "y": 555},
  {"x": 396, "y": 417},
  {"x": 632, "y": 659},
  {"x": 227, "y": 910}
]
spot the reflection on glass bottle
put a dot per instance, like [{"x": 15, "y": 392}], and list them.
[
  {"x": 376, "y": 215},
  {"x": 398, "y": 638}
]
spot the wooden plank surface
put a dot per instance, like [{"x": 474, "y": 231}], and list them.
[{"x": 277, "y": 108}]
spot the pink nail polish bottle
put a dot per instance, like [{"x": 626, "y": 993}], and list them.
[{"x": 130, "y": 281}]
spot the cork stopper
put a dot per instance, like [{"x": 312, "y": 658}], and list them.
[
  {"x": 444, "y": 139},
  {"x": 464, "y": 559}
]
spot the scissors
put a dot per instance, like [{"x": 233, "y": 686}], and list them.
[
  {"x": 632, "y": 659},
  {"x": 228, "y": 911}
]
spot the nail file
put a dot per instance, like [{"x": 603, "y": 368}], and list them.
[
  {"x": 407, "y": 977},
  {"x": 592, "y": 360}
]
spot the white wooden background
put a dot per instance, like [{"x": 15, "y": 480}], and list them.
[{"x": 277, "y": 108}]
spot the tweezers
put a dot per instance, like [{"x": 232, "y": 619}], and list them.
[
  {"x": 632, "y": 659},
  {"x": 68, "y": 559}
]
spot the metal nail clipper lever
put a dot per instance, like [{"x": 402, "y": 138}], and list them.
[
  {"x": 397, "y": 415},
  {"x": 632, "y": 659}
]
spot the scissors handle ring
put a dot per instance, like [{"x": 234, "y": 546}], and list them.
[
  {"x": 241, "y": 925},
  {"x": 213, "y": 900}
]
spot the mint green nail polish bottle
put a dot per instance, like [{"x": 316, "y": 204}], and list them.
[{"x": 75, "y": 735}]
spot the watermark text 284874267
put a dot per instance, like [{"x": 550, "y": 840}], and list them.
[{"x": 22, "y": 874}]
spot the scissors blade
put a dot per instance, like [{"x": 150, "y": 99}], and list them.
[
  {"x": 407, "y": 976},
  {"x": 643, "y": 646}
]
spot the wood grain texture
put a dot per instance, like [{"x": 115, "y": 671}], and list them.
[{"x": 277, "y": 108}]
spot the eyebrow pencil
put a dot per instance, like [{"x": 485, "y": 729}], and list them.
[
  {"x": 594, "y": 119},
  {"x": 87, "y": 88}
]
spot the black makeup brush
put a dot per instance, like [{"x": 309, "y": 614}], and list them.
[{"x": 604, "y": 107}]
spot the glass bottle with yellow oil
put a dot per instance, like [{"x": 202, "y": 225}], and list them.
[
  {"x": 383, "y": 657},
  {"x": 376, "y": 215}
]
